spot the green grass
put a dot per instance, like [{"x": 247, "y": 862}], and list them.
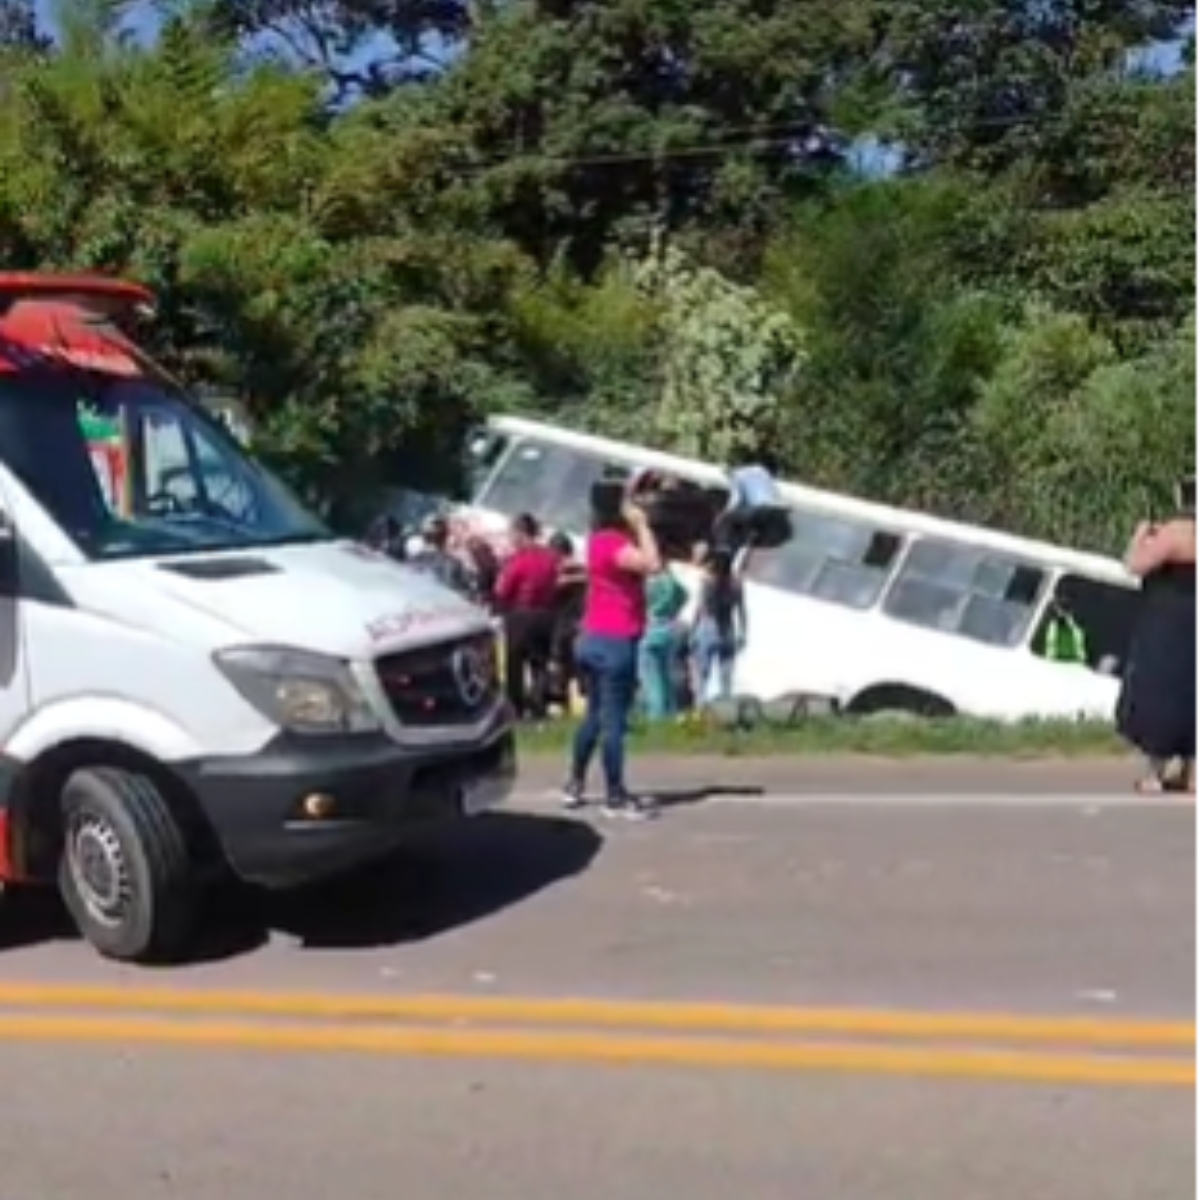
[{"x": 880, "y": 737}]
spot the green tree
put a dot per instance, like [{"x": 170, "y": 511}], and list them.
[
  {"x": 1078, "y": 445},
  {"x": 899, "y": 339},
  {"x": 980, "y": 84},
  {"x": 726, "y": 358},
  {"x": 20, "y": 29},
  {"x": 376, "y": 222},
  {"x": 336, "y": 322},
  {"x": 589, "y": 123}
]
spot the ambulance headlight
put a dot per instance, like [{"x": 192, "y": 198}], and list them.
[{"x": 299, "y": 691}]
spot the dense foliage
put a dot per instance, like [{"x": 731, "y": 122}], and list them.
[{"x": 939, "y": 252}]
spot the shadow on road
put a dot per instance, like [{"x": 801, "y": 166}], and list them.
[
  {"x": 438, "y": 884},
  {"x": 441, "y": 881},
  {"x": 678, "y": 796},
  {"x": 31, "y": 917}
]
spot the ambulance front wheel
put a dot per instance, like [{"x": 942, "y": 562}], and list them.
[{"x": 125, "y": 871}]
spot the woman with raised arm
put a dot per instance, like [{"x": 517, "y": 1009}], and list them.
[
  {"x": 622, "y": 553},
  {"x": 1157, "y": 709}
]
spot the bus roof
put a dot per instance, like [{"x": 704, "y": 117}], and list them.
[{"x": 899, "y": 520}]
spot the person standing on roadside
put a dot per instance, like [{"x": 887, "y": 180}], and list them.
[
  {"x": 1157, "y": 708},
  {"x": 719, "y": 633},
  {"x": 526, "y": 596},
  {"x": 622, "y": 553},
  {"x": 572, "y": 592},
  {"x": 666, "y": 599}
]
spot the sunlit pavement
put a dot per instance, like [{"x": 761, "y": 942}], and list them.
[{"x": 817, "y": 997}]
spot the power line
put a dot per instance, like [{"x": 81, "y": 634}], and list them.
[{"x": 750, "y": 138}]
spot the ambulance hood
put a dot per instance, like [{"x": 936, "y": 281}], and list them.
[{"x": 336, "y": 598}]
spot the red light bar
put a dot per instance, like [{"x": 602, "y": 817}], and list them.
[
  {"x": 76, "y": 319},
  {"x": 99, "y": 294}
]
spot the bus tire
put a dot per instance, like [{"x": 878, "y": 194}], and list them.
[
  {"x": 125, "y": 872},
  {"x": 898, "y": 699}
]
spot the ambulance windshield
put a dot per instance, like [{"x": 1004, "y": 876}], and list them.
[{"x": 129, "y": 468}]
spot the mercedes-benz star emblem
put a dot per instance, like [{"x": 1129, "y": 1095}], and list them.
[{"x": 471, "y": 675}]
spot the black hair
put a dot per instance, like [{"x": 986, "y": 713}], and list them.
[
  {"x": 387, "y": 536},
  {"x": 437, "y": 537},
  {"x": 527, "y": 525},
  {"x": 561, "y": 543},
  {"x": 602, "y": 521},
  {"x": 720, "y": 562},
  {"x": 382, "y": 529},
  {"x": 608, "y": 497}
]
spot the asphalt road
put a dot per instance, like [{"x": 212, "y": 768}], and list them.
[{"x": 937, "y": 996}]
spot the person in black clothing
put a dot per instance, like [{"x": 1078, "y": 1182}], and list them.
[
  {"x": 387, "y": 536},
  {"x": 719, "y": 632},
  {"x": 568, "y": 613},
  {"x": 1157, "y": 708}
]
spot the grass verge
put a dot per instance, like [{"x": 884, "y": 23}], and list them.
[{"x": 877, "y": 737}]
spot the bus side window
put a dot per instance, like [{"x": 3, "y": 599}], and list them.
[
  {"x": 482, "y": 452},
  {"x": 514, "y": 486},
  {"x": 964, "y": 590},
  {"x": 1105, "y": 612},
  {"x": 572, "y": 509},
  {"x": 829, "y": 558},
  {"x": 611, "y": 472}
]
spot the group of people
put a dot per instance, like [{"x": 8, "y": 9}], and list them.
[
  {"x": 686, "y": 649},
  {"x": 616, "y": 625},
  {"x": 686, "y": 654}
]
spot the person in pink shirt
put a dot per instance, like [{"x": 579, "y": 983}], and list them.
[{"x": 622, "y": 553}]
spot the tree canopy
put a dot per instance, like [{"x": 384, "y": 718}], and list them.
[{"x": 939, "y": 254}]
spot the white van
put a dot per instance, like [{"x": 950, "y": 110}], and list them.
[{"x": 195, "y": 676}]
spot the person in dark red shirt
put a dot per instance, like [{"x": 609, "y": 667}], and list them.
[{"x": 526, "y": 596}]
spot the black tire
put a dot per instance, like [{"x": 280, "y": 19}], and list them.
[
  {"x": 895, "y": 701},
  {"x": 125, "y": 872}
]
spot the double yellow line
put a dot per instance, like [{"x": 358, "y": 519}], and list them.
[{"x": 1062, "y": 1050}]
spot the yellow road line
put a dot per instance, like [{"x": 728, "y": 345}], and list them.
[
  {"x": 614, "y": 1014},
  {"x": 568, "y": 1048}
]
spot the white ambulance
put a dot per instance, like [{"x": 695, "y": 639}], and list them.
[{"x": 196, "y": 677}]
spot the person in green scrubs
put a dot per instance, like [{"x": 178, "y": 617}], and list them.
[
  {"x": 1065, "y": 640},
  {"x": 662, "y": 644}
]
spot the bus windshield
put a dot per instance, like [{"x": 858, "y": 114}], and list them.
[{"x": 129, "y": 468}]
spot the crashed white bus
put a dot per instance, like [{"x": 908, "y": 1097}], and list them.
[{"x": 882, "y": 608}]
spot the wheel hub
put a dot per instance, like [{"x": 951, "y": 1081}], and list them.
[{"x": 98, "y": 868}]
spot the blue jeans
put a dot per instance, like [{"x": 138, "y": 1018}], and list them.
[
  {"x": 608, "y": 670},
  {"x": 656, "y": 671},
  {"x": 713, "y": 651}
]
